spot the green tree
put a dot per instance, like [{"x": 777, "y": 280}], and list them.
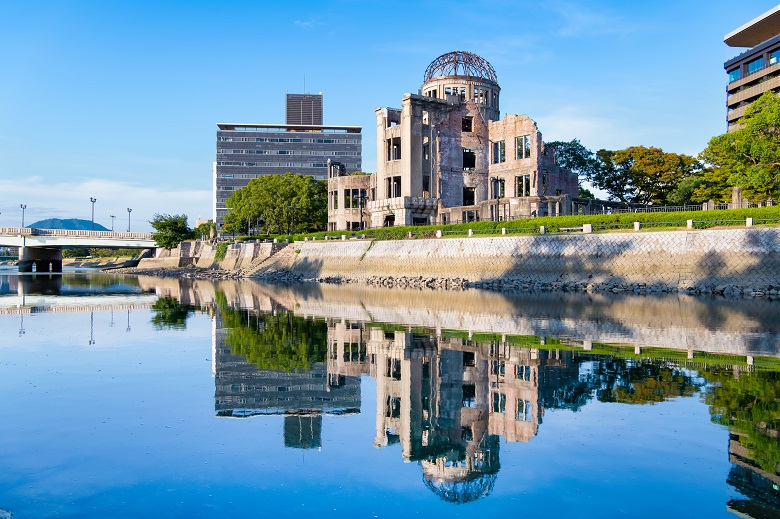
[
  {"x": 748, "y": 157},
  {"x": 284, "y": 204},
  {"x": 642, "y": 175},
  {"x": 170, "y": 230},
  {"x": 205, "y": 230},
  {"x": 576, "y": 157}
]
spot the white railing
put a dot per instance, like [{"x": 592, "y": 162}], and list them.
[{"x": 26, "y": 231}]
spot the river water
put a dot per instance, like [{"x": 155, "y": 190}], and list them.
[{"x": 144, "y": 397}]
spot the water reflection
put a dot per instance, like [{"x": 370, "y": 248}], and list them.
[{"x": 448, "y": 397}]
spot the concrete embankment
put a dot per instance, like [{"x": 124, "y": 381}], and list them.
[
  {"x": 728, "y": 261},
  {"x": 720, "y": 261}
]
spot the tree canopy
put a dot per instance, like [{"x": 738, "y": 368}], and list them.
[
  {"x": 748, "y": 157},
  {"x": 170, "y": 230},
  {"x": 281, "y": 204},
  {"x": 637, "y": 174}
]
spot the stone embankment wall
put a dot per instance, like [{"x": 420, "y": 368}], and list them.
[
  {"x": 201, "y": 255},
  {"x": 723, "y": 260}
]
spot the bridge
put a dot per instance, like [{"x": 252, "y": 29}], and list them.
[{"x": 40, "y": 250}]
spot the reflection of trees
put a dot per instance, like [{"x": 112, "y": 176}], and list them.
[
  {"x": 280, "y": 342},
  {"x": 639, "y": 381},
  {"x": 749, "y": 404},
  {"x": 170, "y": 314}
]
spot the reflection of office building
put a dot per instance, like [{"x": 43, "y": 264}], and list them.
[
  {"x": 760, "y": 488},
  {"x": 302, "y": 396},
  {"x": 756, "y": 70}
]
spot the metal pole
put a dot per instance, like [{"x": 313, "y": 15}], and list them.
[
  {"x": 112, "y": 222},
  {"x": 93, "y": 200},
  {"x": 128, "y": 218},
  {"x": 23, "y": 206}
]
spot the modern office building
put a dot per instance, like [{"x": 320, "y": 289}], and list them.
[
  {"x": 249, "y": 151},
  {"x": 756, "y": 70},
  {"x": 304, "y": 109}
]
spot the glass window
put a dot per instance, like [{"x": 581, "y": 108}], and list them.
[
  {"x": 755, "y": 65},
  {"x": 774, "y": 57},
  {"x": 524, "y": 147},
  {"x": 499, "y": 152}
]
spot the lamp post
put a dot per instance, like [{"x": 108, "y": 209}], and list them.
[
  {"x": 112, "y": 222},
  {"x": 23, "y": 206},
  {"x": 93, "y": 200},
  {"x": 128, "y": 218}
]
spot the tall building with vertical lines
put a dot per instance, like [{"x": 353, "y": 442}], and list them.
[{"x": 304, "y": 109}]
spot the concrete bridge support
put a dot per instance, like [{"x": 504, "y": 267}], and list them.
[{"x": 40, "y": 259}]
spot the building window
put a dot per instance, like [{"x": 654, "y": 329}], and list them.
[
  {"x": 523, "y": 410},
  {"x": 774, "y": 57},
  {"x": 524, "y": 147},
  {"x": 469, "y": 160},
  {"x": 755, "y": 65},
  {"x": 499, "y": 152},
  {"x": 523, "y": 373},
  {"x": 468, "y": 124},
  {"x": 499, "y": 403},
  {"x": 394, "y": 149},
  {"x": 524, "y": 185},
  {"x": 468, "y": 196}
]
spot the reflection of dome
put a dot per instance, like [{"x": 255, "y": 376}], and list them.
[
  {"x": 460, "y": 63},
  {"x": 464, "y": 491}
]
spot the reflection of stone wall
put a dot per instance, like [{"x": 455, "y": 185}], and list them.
[
  {"x": 718, "y": 325},
  {"x": 746, "y": 257}
]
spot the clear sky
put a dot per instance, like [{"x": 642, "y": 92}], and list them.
[{"x": 120, "y": 100}]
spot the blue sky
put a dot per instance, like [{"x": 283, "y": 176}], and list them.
[{"x": 120, "y": 100}]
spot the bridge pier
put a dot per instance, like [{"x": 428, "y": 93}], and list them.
[{"x": 43, "y": 259}]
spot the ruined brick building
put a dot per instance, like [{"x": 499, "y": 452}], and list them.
[{"x": 446, "y": 156}]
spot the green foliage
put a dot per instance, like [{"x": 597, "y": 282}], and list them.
[
  {"x": 285, "y": 204},
  {"x": 206, "y": 230},
  {"x": 170, "y": 314},
  {"x": 750, "y": 156},
  {"x": 576, "y": 157},
  {"x": 221, "y": 251},
  {"x": 585, "y": 193},
  {"x": 642, "y": 175},
  {"x": 281, "y": 342},
  {"x": 170, "y": 230},
  {"x": 750, "y": 406}
]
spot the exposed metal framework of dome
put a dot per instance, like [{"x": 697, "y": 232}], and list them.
[
  {"x": 462, "y": 492},
  {"x": 460, "y": 63}
]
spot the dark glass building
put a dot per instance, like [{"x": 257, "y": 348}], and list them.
[{"x": 756, "y": 70}]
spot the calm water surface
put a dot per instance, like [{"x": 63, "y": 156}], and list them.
[{"x": 144, "y": 397}]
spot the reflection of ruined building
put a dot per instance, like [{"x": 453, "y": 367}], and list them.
[
  {"x": 445, "y": 156},
  {"x": 447, "y": 401},
  {"x": 302, "y": 396}
]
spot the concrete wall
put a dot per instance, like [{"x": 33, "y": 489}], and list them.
[
  {"x": 672, "y": 258},
  {"x": 201, "y": 254}
]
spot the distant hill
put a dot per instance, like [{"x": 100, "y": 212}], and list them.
[{"x": 72, "y": 224}]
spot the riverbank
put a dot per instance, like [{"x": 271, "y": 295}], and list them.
[{"x": 737, "y": 261}]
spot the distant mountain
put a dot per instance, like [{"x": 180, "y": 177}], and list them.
[{"x": 72, "y": 224}]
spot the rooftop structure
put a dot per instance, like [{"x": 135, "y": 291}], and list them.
[
  {"x": 304, "y": 109},
  {"x": 756, "y": 70}
]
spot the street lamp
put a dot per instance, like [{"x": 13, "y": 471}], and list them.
[
  {"x": 93, "y": 200},
  {"x": 112, "y": 222},
  {"x": 128, "y": 218},
  {"x": 23, "y": 206}
]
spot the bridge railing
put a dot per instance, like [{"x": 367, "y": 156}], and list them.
[{"x": 26, "y": 231}]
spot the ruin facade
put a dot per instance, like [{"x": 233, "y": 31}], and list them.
[{"x": 446, "y": 156}]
